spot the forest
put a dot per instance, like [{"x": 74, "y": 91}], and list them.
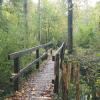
[{"x": 28, "y": 23}]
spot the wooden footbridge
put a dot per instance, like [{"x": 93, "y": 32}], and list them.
[{"x": 51, "y": 77}]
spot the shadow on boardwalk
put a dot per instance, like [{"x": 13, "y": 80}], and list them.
[{"x": 39, "y": 86}]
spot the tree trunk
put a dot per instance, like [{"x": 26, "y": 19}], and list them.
[
  {"x": 25, "y": 7},
  {"x": 1, "y": 1},
  {"x": 70, "y": 26},
  {"x": 39, "y": 20}
]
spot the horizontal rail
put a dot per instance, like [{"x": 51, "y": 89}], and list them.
[
  {"x": 58, "y": 51},
  {"x": 24, "y": 52},
  {"x": 14, "y": 77}
]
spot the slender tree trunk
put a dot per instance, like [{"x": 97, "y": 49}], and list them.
[
  {"x": 1, "y": 16},
  {"x": 47, "y": 33},
  {"x": 70, "y": 26},
  {"x": 1, "y": 1},
  {"x": 25, "y": 6},
  {"x": 39, "y": 12}
]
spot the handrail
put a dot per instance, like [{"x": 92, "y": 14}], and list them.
[
  {"x": 24, "y": 52},
  {"x": 15, "y": 57},
  {"x": 65, "y": 72},
  {"x": 58, "y": 51},
  {"x": 26, "y": 68},
  {"x": 58, "y": 58}
]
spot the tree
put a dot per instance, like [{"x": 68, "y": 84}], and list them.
[
  {"x": 39, "y": 20},
  {"x": 70, "y": 26},
  {"x": 25, "y": 7}
]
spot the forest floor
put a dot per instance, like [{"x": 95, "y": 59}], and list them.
[{"x": 39, "y": 85}]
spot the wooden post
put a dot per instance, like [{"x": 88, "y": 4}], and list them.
[
  {"x": 37, "y": 56},
  {"x": 16, "y": 70},
  {"x": 65, "y": 81},
  {"x": 56, "y": 84},
  {"x": 62, "y": 56},
  {"x": 51, "y": 51},
  {"x": 78, "y": 82}
]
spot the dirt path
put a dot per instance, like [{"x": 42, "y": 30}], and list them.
[{"x": 39, "y": 85}]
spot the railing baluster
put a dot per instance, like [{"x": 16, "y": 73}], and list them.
[
  {"x": 16, "y": 70},
  {"x": 37, "y": 56}
]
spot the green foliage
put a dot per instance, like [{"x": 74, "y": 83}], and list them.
[
  {"x": 15, "y": 35},
  {"x": 12, "y": 39},
  {"x": 53, "y": 23},
  {"x": 87, "y": 30}
]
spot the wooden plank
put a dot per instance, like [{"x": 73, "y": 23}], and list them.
[
  {"x": 14, "y": 77},
  {"x": 27, "y": 51}
]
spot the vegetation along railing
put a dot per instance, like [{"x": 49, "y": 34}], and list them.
[
  {"x": 16, "y": 59},
  {"x": 66, "y": 71}
]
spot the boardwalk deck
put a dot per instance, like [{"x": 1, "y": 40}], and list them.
[{"x": 39, "y": 86}]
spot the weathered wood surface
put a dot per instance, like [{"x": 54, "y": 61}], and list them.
[
  {"x": 18, "y": 74},
  {"x": 58, "y": 58},
  {"x": 17, "y": 71},
  {"x": 39, "y": 84},
  {"x": 27, "y": 51}
]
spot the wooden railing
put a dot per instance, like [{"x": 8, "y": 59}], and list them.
[
  {"x": 67, "y": 70},
  {"x": 58, "y": 58},
  {"x": 16, "y": 59}
]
